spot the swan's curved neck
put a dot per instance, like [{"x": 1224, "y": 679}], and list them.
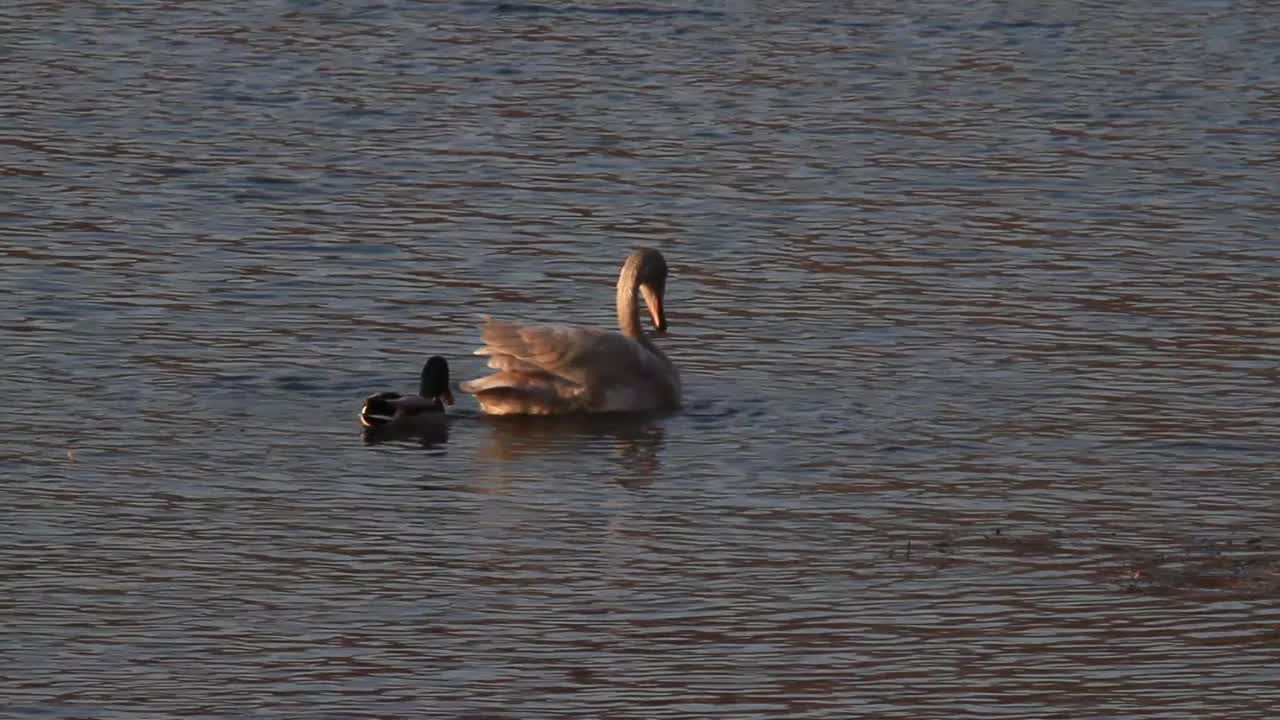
[{"x": 628, "y": 307}]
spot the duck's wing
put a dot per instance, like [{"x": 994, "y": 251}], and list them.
[
  {"x": 551, "y": 369},
  {"x": 378, "y": 409},
  {"x": 388, "y": 407},
  {"x": 414, "y": 405}
]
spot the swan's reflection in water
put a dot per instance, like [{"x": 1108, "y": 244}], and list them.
[
  {"x": 636, "y": 440},
  {"x": 428, "y": 435}
]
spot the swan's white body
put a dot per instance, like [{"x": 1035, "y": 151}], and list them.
[{"x": 560, "y": 369}]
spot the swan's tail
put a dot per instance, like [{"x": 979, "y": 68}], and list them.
[
  {"x": 522, "y": 401},
  {"x": 526, "y": 391}
]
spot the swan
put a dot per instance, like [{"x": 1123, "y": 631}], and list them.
[
  {"x": 559, "y": 369},
  {"x": 393, "y": 410}
]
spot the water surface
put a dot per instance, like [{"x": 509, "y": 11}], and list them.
[{"x": 975, "y": 305}]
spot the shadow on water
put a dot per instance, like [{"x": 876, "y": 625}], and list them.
[
  {"x": 635, "y": 439},
  {"x": 1212, "y": 569},
  {"x": 429, "y": 435}
]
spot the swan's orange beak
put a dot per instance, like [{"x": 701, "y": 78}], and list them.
[
  {"x": 654, "y": 301},
  {"x": 447, "y": 396}
]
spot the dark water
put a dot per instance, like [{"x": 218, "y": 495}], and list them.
[{"x": 977, "y": 307}]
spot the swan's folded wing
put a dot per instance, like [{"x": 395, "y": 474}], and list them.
[{"x": 582, "y": 356}]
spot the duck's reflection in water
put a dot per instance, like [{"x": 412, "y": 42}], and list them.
[
  {"x": 428, "y": 435},
  {"x": 636, "y": 439}
]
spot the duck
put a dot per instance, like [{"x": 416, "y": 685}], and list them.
[
  {"x": 563, "y": 369},
  {"x": 391, "y": 409}
]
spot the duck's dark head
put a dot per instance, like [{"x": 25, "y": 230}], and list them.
[{"x": 435, "y": 380}]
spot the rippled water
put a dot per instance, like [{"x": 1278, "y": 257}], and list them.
[{"x": 977, "y": 307}]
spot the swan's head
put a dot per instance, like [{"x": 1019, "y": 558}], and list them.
[
  {"x": 435, "y": 380},
  {"x": 651, "y": 277}
]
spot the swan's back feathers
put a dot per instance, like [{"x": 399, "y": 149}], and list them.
[
  {"x": 509, "y": 362},
  {"x": 525, "y": 400},
  {"x": 553, "y": 369}
]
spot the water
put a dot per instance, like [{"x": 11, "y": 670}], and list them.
[{"x": 976, "y": 306}]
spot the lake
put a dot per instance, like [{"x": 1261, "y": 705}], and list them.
[{"x": 977, "y": 308}]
